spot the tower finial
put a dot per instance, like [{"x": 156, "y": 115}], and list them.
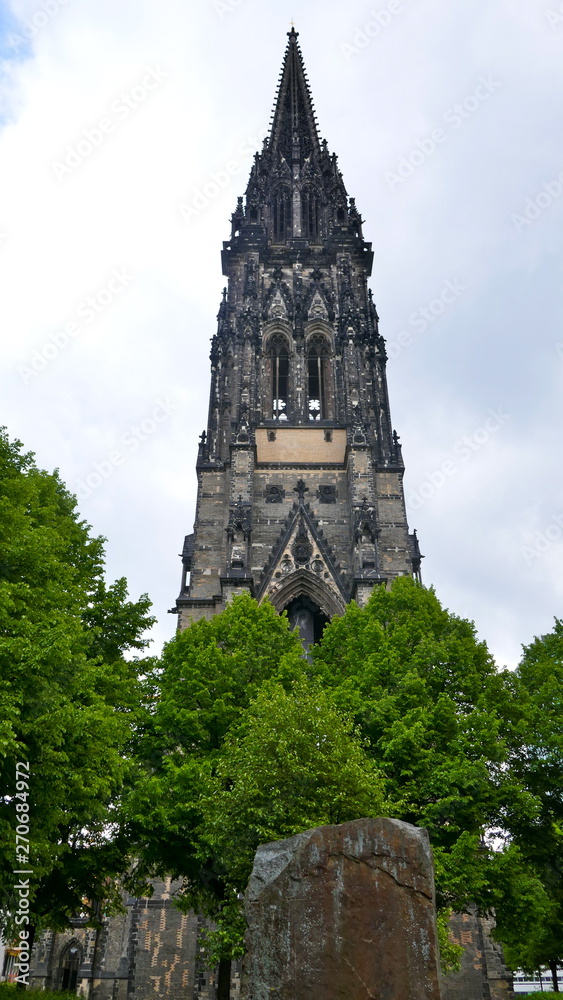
[{"x": 293, "y": 131}]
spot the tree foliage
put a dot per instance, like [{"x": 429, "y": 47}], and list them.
[
  {"x": 68, "y": 697},
  {"x": 472, "y": 753},
  {"x": 293, "y": 762},
  {"x": 239, "y": 748},
  {"x": 410, "y": 696},
  {"x": 205, "y": 679},
  {"x": 239, "y": 740},
  {"x": 533, "y": 934},
  {"x": 423, "y": 691}
]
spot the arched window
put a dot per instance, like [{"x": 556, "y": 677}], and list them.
[
  {"x": 281, "y": 214},
  {"x": 71, "y": 960},
  {"x": 317, "y": 365},
  {"x": 310, "y": 213},
  {"x": 279, "y": 356}
]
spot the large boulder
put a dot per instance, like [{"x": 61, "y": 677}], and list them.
[{"x": 343, "y": 913}]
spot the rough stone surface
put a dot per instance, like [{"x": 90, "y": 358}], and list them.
[{"x": 343, "y": 913}]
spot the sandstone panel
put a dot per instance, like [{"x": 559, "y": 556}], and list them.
[{"x": 296, "y": 445}]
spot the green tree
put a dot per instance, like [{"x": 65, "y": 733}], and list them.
[
  {"x": 533, "y": 726},
  {"x": 528, "y": 923},
  {"x": 205, "y": 679},
  {"x": 469, "y": 752},
  {"x": 291, "y": 763},
  {"x": 68, "y": 697},
  {"x": 234, "y": 754},
  {"x": 424, "y": 692},
  {"x": 226, "y": 764}
]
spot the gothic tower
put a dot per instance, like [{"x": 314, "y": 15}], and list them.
[{"x": 300, "y": 495}]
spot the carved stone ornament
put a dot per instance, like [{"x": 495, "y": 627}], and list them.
[
  {"x": 327, "y": 494},
  {"x": 243, "y": 432},
  {"x": 240, "y": 517},
  {"x": 366, "y": 521},
  {"x": 277, "y": 308},
  {"x": 300, "y": 489},
  {"x": 302, "y": 549},
  {"x": 274, "y": 494},
  {"x": 317, "y": 309}
]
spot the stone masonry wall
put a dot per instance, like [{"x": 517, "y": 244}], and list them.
[
  {"x": 483, "y": 974},
  {"x": 151, "y": 951}
]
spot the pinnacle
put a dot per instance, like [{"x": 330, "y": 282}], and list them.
[{"x": 293, "y": 131}]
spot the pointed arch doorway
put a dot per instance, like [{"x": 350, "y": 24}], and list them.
[
  {"x": 305, "y": 615},
  {"x": 309, "y": 602},
  {"x": 71, "y": 959}
]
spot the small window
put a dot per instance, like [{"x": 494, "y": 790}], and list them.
[
  {"x": 317, "y": 360},
  {"x": 281, "y": 215},
  {"x": 310, "y": 215},
  {"x": 279, "y": 355}
]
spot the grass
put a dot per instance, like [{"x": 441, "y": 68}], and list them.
[{"x": 8, "y": 992}]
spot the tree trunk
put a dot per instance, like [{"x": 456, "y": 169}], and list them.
[
  {"x": 553, "y": 968},
  {"x": 224, "y": 980}
]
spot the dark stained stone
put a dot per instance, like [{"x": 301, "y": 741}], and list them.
[{"x": 343, "y": 913}]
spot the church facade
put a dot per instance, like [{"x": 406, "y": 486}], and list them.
[
  {"x": 300, "y": 499},
  {"x": 300, "y": 496}
]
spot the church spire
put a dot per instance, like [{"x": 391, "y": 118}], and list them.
[
  {"x": 293, "y": 131},
  {"x": 295, "y": 190},
  {"x": 298, "y": 396}
]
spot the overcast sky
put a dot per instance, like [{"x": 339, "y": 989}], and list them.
[{"x": 127, "y": 133}]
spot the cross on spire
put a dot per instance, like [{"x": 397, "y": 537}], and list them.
[{"x": 301, "y": 490}]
